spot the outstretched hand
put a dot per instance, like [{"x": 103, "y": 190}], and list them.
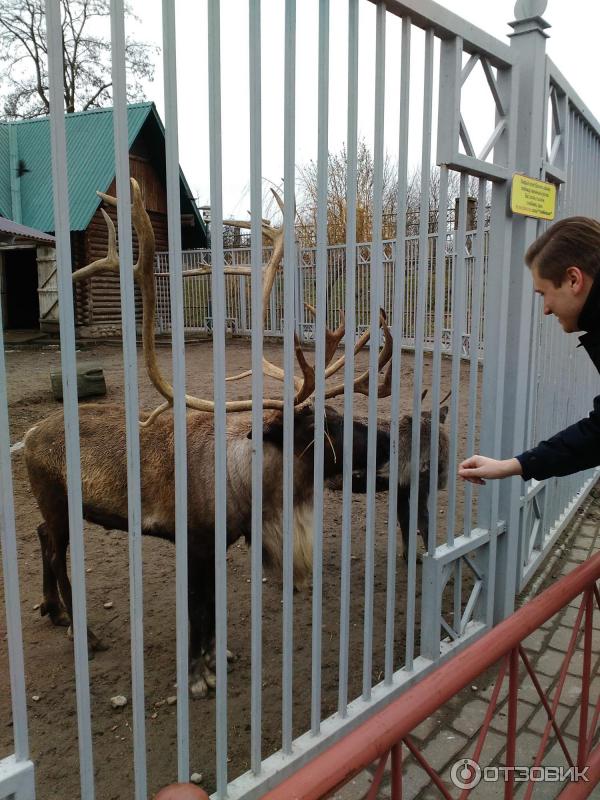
[{"x": 477, "y": 468}]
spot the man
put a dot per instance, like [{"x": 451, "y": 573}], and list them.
[{"x": 565, "y": 267}]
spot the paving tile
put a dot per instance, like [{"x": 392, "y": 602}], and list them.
[
  {"x": 538, "y": 722},
  {"x": 550, "y": 662},
  {"x": 524, "y": 713},
  {"x": 561, "y": 638},
  {"x": 445, "y": 747},
  {"x": 429, "y": 726},
  {"x": 356, "y": 789},
  {"x": 414, "y": 780},
  {"x": 471, "y": 717},
  {"x": 528, "y": 692},
  {"x": 580, "y": 554},
  {"x": 536, "y": 641}
]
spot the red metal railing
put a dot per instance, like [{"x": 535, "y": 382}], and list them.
[{"x": 387, "y": 733}]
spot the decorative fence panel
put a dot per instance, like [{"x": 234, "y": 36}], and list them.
[{"x": 197, "y": 291}]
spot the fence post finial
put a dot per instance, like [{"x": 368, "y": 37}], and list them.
[{"x": 528, "y": 9}]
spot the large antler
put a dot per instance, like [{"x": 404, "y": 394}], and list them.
[
  {"x": 144, "y": 276},
  {"x": 143, "y": 272}
]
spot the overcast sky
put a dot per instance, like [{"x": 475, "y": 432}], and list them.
[{"x": 573, "y": 46}]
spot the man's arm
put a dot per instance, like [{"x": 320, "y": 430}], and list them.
[{"x": 572, "y": 450}]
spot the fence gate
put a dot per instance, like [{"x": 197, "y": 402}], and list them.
[{"x": 314, "y": 663}]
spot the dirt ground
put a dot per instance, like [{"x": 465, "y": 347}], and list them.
[{"x": 48, "y": 652}]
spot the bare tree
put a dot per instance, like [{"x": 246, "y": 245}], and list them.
[
  {"x": 336, "y": 197},
  {"x": 86, "y": 52}
]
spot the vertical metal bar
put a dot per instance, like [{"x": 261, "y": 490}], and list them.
[
  {"x": 289, "y": 266},
  {"x": 257, "y": 377},
  {"x": 511, "y": 729},
  {"x": 179, "y": 408},
  {"x": 397, "y": 317},
  {"x": 218, "y": 297},
  {"x": 10, "y": 572},
  {"x": 68, "y": 362},
  {"x": 134, "y": 511},
  {"x": 418, "y": 357},
  {"x": 496, "y": 304},
  {"x": 458, "y": 301},
  {"x": 440, "y": 280},
  {"x": 319, "y": 401},
  {"x": 476, "y": 302},
  {"x": 397, "y": 771},
  {"x": 376, "y": 290},
  {"x": 351, "y": 193},
  {"x": 585, "y": 679}
]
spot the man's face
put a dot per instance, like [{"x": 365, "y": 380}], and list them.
[{"x": 565, "y": 301}]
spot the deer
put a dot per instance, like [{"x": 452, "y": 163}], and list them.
[
  {"x": 104, "y": 460},
  {"x": 360, "y": 477}
]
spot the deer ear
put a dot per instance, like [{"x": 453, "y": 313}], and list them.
[
  {"x": 443, "y": 414},
  {"x": 272, "y": 430}
]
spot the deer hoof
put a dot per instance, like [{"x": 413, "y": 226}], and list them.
[
  {"x": 210, "y": 678},
  {"x": 56, "y": 612},
  {"x": 198, "y": 688}
]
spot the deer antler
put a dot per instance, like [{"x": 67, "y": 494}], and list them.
[
  {"x": 144, "y": 276},
  {"x": 143, "y": 272}
]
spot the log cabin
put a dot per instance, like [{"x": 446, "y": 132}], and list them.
[{"x": 28, "y": 268}]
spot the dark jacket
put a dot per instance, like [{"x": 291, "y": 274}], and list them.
[{"x": 578, "y": 446}]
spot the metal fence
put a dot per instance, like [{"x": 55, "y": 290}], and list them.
[
  {"x": 481, "y": 548},
  {"x": 238, "y": 298}
]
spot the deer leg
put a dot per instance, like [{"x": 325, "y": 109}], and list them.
[
  {"x": 403, "y": 506},
  {"x": 423, "y": 512},
  {"x": 201, "y": 612},
  {"x": 58, "y": 562},
  {"x": 51, "y": 604}
]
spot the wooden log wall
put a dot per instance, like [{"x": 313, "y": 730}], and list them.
[{"x": 98, "y": 299}]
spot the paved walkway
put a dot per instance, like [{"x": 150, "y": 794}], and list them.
[{"x": 451, "y": 733}]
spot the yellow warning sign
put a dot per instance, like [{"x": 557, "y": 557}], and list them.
[{"x": 532, "y": 198}]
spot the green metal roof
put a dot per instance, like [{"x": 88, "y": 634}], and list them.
[{"x": 90, "y": 164}]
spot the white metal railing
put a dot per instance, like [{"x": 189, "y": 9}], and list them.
[{"x": 238, "y": 306}]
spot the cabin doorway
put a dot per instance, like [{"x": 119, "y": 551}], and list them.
[{"x": 21, "y": 287}]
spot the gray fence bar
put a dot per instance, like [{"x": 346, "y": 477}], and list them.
[
  {"x": 8, "y": 546},
  {"x": 458, "y": 314},
  {"x": 134, "y": 510},
  {"x": 419, "y": 333},
  {"x": 218, "y": 294},
  {"x": 397, "y": 315},
  {"x": 376, "y": 294},
  {"x": 68, "y": 364},
  {"x": 350, "y": 251},
  {"x": 179, "y": 383},
  {"x": 254, "y": 7},
  {"x": 319, "y": 399},
  {"x": 474, "y": 333},
  {"x": 440, "y": 285},
  {"x": 289, "y": 248}
]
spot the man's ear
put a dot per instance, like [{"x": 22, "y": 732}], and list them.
[{"x": 577, "y": 278}]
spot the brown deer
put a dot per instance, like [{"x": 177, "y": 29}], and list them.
[{"x": 104, "y": 463}]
